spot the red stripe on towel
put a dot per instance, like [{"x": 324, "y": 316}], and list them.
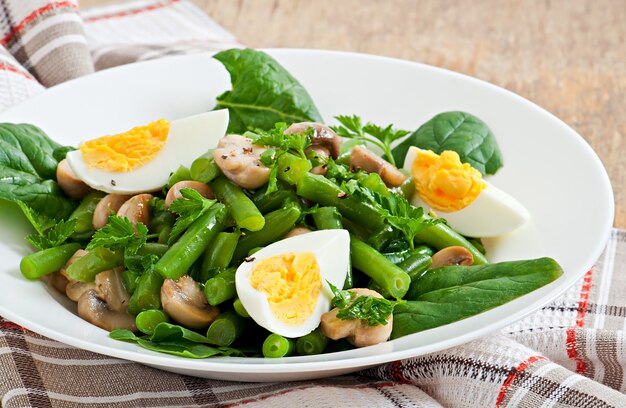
[
  {"x": 33, "y": 15},
  {"x": 516, "y": 371},
  {"x": 127, "y": 13}
]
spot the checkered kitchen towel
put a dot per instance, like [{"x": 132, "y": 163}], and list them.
[{"x": 569, "y": 354}]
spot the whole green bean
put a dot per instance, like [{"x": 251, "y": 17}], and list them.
[
  {"x": 227, "y": 328},
  {"x": 181, "y": 174},
  {"x": 372, "y": 263},
  {"x": 204, "y": 169},
  {"x": 38, "y": 264},
  {"x": 381, "y": 237},
  {"x": 219, "y": 253},
  {"x": 441, "y": 235},
  {"x": 147, "y": 294},
  {"x": 272, "y": 201},
  {"x": 239, "y": 308},
  {"x": 356, "y": 229},
  {"x": 242, "y": 209},
  {"x": 326, "y": 193},
  {"x": 327, "y": 218},
  {"x": 277, "y": 224},
  {"x": 276, "y": 346},
  {"x": 415, "y": 265},
  {"x": 147, "y": 320},
  {"x": 291, "y": 168},
  {"x": 407, "y": 188},
  {"x": 221, "y": 287},
  {"x": 83, "y": 214},
  {"x": 180, "y": 256},
  {"x": 312, "y": 343},
  {"x": 95, "y": 261}
]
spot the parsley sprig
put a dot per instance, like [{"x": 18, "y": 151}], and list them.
[
  {"x": 373, "y": 310},
  {"x": 189, "y": 208},
  {"x": 120, "y": 234},
  {"x": 352, "y": 128},
  {"x": 50, "y": 233}
]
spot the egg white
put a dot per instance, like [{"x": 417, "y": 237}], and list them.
[
  {"x": 187, "y": 139},
  {"x": 492, "y": 213},
  {"x": 332, "y": 252}
]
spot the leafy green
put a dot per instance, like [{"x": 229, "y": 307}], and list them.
[
  {"x": 461, "y": 132},
  {"x": 263, "y": 92},
  {"x": 450, "y": 293},
  {"x": 373, "y": 310},
  {"x": 49, "y": 233},
  {"x": 28, "y": 171},
  {"x": 352, "y": 128},
  {"x": 176, "y": 340},
  {"x": 189, "y": 208},
  {"x": 118, "y": 234}
]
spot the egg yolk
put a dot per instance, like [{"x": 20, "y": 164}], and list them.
[
  {"x": 126, "y": 151},
  {"x": 444, "y": 182},
  {"x": 292, "y": 283}
]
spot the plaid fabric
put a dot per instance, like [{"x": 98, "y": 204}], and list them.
[{"x": 569, "y": 354}]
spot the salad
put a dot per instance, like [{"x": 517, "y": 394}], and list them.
[{"x": 258, "y": 230}]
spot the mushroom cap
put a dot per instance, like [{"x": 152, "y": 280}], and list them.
[
  {"x": 184, "y": 302},
  {"x": 110, "y": 203},
  {"x": 174, "y": 192},
  {"x": 136, "y": 209},
  {"x": 452, "y": 255},
  {"x": 109, "y": 287},
  {"x": 95, "y": 311},
  {"x": 322, "y": 136},
  {"x": 71, "y": 185},
  {"x": 239, "y": 160},
  {"x": 366, "y": 160}
]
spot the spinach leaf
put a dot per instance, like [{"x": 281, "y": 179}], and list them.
[
  {"x": 175, "y": 340},
  {"x": 263, "y": 92},
  {"x": 458, "y": 131},
  {"x": 28, "y": 170},
  {"x": 450, "y": 293}
]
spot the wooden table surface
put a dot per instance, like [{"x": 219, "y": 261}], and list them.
[{"x": 568, "y": 56}]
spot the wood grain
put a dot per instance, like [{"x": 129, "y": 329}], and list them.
[{"x": 568, "y": 56}]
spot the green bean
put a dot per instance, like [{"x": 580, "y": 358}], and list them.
[
  {"x": 180, "y": 256},
  {"x": 356, "y": 229},
  {"x": 221, "y": 287},
  {"x": 242, "y": 209},
  {"x": 162, "y": 223},
  {"x": 130, "y": 279},
  {"x": 204, "y": 169},
  {"x": 373, "y": 182},
  {"x": 291, "y": 168},
  {"x": 227, "y": 328},
  {"x": 153, "y": 248},
  {"x": 381, "y": 237},
  {"x": 407, "y": 188},
  {"x": 326, "y": 193},
  {"x": 38, "y": 264},
  {"x": 415, "y": 265},
  {"x": 181, "y": 174},
  {"x": 312, "y": 343},
  {"x": 85, "y": 268},
  {"x": 276, "y": 346},
  {"x": 272, "y": 201},
  {"x": 164, "y": 234},
  {"x": 277, "y": 224},
  {"x": 147, "y": 294},
  {"x": 327, "y": 218},
  {"x": 239, "y": 308},
  {"x": 372, "y": 263},
  {"x": 219, "y": 253},
  {"x": 147, "y": 320},
  {"x": 83, "y": 214},
  {"x": 441, "y": 236}
]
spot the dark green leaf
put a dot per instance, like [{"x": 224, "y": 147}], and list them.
[
  {"x": 28, "y": 171},
  {"x": 461, "y": 132},
  {"x": 263, "y": 92}
]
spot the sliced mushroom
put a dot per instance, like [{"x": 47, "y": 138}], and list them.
[
  {"x": 184, "y": 301},
  {"x": 109, "y": 287},
  {"x": 297, "y": 231},
  {"x": 356, "y": 331},
  {"x": 322, "y": 155},
  {"x": 452, "y": 255},
  {"x": 97, "y": 312},
  {"x": 136, "y": 209},
  {"x": 239, "y": 160},
  {"x": 56, "y": 281},
  {"x": 174, "y": 192},
  {"x": 363, "y": 159},
  {"x": 110, "y": 204},
  {"x": 75, "y": 289},
  {"x": 69, "y": 182},
  {"x": 322, "y": 136}
]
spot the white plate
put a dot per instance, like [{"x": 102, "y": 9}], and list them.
[{"x": 548, "y": 167}]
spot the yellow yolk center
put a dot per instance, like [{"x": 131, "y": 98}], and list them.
[
  {"x": 444, "y": 182},
  {"x": 292, "y": 283},
  {"x": 126, "y": 151}
]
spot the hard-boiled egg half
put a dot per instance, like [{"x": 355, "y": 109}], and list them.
[
  {"x": 456, "y": 191},
  {"x": 284, "y": 285},
  {"x": 142, "y": 159}
]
